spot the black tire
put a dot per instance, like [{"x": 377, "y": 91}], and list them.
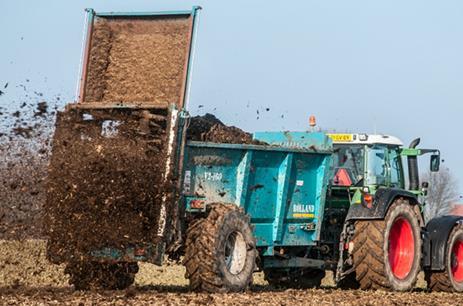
[
  {"x": 349, "y": 282},
  {"x": 220, "y": 251},
  {"x": 294, "y": 278},
  {"x": 376, "y": 241},
  {"x": 449, "y": 280},
  {"x": 97, "y": 276}
]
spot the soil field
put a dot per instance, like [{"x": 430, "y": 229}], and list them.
[{"x": 27, "y": 278}]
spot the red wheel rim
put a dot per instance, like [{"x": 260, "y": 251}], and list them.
[
  {"x": 401, "y": 248},
  {"x": 457, "y": 261}
]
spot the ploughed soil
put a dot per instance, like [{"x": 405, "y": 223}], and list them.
[
  {"x": 26, "y": 277},
  {"x": 162, "y": 295}
]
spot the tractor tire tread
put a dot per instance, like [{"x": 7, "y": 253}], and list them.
[{"x": 368, "y": 254}]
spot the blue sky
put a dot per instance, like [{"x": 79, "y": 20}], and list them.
[{"x": 391, "y": 66}]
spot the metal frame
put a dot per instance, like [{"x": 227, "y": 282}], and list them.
[
  {"x": 147, "y": 14},
  {"x": 257, "y": 147},
  {"x": 90, "y": 16},
  {"x": 117, "y": 105},
  {"x": 284, "y": 173},
  {"x": 294, "y": 262}
]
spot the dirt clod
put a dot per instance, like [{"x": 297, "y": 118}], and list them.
[{"x": 210, "y": 129}]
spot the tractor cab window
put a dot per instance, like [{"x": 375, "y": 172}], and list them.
[
  {"x": 349, "y": 165},
  {"x": 396, "y": 167},
  {"x": 376, "y": 165}
]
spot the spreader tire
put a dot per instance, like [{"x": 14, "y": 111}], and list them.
[
  {"x": 294, "y": 278},
  {"x": 387, "y": 252},
  {"x": 220, "y": 251},
  {"x": 451, "y": 279},
  {"x": 96, "y": 276}
]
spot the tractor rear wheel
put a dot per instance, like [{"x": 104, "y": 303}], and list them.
[
  {"x": 95, "y": 275},
  {"x": 294, "y": 278},
  {"x": 387, "y": 253},
  {"x": 220, "y": 251},
  {"x": 451, "y": 279}
]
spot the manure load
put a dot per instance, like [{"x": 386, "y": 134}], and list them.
[{"x": 111, "y": 184}]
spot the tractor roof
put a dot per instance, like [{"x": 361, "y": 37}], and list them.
[{"x": 353, "y": 138}]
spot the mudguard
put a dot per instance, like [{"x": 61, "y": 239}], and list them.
[
  {"x": 383, "y": 199},
  {"x": 435, "y": 241}
]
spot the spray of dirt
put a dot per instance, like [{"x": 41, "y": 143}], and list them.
[
  {"x": 25, "y": 132},
  {"x": 105, "y": 184}
]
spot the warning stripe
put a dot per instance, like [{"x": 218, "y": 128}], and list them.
[{"x": 303, "y": 216}]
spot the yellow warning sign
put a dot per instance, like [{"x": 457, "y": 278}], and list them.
[
  {"x": 302, "y": 215},
  {"x": 341, "y": 137}
]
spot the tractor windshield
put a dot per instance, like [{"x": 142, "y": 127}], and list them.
[
  {"x": 384, "y": 166},
  {"x": 349, "y": 165},
  {"x": 377, "y": 166}
]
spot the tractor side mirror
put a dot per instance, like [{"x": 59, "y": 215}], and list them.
[{"x": 435, "y": 163}]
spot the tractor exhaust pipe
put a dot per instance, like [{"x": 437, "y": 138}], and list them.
[{"x": 413, "y": 173}]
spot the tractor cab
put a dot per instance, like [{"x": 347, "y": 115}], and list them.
[
  {"x": 369, "y": 162},
  {"x": 362, "y": 160}
]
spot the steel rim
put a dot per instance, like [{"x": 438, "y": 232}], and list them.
[
  {"x": 235, "y": 253},
  {"x": 457, "y": 261},
  {"x": 401, "y": 248}
]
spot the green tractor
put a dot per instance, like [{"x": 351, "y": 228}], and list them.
[{"x": 384, "y": 241}]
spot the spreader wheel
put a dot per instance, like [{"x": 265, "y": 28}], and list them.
[
  {"x": 220, "y": 250},
  {"x": 387, "y": 252},
  {"x": 451, "y": 279}
]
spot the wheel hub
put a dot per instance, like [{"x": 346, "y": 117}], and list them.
[
  {"x": 401, "y": 248},
  {"x": 235, "y": 253},
  {"x": 457, "y": 261}
]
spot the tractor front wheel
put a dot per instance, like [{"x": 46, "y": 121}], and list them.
[
  {"x": 387, "y": 252},
  {"x": 451, "y": 279},
  {"x": 220, "y": 251}
]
